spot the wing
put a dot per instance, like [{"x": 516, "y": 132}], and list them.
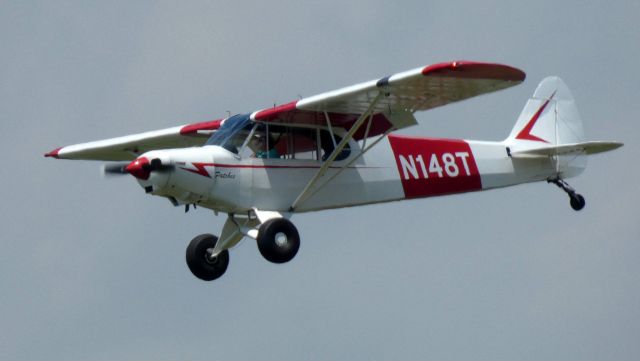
[
  {"x": 403, "y": 94},
  {"x": 130, "y": 146}
]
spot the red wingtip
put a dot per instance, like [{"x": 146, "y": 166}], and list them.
[
  {"x": 53, "y": 153},
  {"x": 474, "y": 70}
]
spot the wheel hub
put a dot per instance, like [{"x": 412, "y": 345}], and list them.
[
  {"x": 281, "y": 239},
  {"x": 210, "y": 257}
]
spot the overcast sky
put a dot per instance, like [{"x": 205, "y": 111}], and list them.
[{"x": 94, "y": 269}]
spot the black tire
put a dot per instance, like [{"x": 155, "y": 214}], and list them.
[
  {"x": 200, "y": 264},
  {"x": 577, "y": 202},
  {"x": 278, "y": 240}
]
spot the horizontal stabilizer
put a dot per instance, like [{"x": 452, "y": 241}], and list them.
[{"x": 566, "y": 149}]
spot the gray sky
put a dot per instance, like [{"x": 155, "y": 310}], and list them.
[{"x": 93, "y": 269}]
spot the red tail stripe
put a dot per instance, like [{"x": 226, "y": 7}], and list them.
[{"x": 525, "y": 133}]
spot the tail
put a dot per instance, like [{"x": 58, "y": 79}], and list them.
[{"x": 550, "y": 126}]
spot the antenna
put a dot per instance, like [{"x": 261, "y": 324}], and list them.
[{"x": 276, "y": 93}]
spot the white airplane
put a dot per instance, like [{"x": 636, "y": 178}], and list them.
[{"x": 312, "y": 154}]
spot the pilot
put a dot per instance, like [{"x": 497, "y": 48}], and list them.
[{"x": 257, "y": 144}]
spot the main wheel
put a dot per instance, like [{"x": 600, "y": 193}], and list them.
[
  {"x": 200, "y": 261},
  {"x": 577, "y": 202},
  {"x": 278, "y": 240}
]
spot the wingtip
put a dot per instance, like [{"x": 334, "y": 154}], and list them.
[
  {"x": 53, "y": 154},
  {"x": 475, "y": 70}
]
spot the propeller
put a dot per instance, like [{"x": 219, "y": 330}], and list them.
[
  {"x": 115, "y": 169},
  {"x": 139, "y": 168}
]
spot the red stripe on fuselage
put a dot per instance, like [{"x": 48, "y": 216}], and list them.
[
  {"x": 431, "y": 167},
  {"x": 201, "y": 170}
]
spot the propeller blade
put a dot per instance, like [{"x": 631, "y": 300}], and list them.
[
  {"x": 115, "y": 169},
  {"x": 126, "y": 168}
]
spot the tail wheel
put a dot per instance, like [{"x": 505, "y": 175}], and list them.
[
  {"x": 278, "y": 240},
  {"x": 200, "y": 260},
  {"x": 577, "y": 201}
]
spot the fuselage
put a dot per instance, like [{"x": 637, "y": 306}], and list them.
[{"x": 401, "y": 168}]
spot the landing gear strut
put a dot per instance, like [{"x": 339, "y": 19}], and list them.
[{"x": 576, "y": 200}]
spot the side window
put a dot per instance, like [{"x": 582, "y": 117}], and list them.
[
  {"x": 278, "y": 141},
  {"x": 261, "y": 143},
  {"x": 327, "y": 144},
  {"x": 294, "y": 143}
]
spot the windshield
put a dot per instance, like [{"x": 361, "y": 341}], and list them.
[{"x": 232, "y": 133}]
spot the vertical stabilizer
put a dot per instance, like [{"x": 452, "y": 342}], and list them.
[{"x": 550, "y": 119}]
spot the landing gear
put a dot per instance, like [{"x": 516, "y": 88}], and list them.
[
  {"x": 202, "y": 263},
  {"x": 278, "y": 240},
  {"x": 576, "y": 200}
]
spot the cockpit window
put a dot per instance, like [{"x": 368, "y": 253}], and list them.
[
  {"x": 239, "y": 135},
  {"x": 232, "y": 133}
]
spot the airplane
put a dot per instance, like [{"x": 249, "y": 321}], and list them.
[{"x": 312, "y": 154}]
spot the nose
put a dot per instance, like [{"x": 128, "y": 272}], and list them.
[{"x": 139, "y": 168}]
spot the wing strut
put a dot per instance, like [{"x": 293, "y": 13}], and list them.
[
  {"x": 333, "y": 138},
  {"x": 306, "y": 191},
  {"x": 350, "y": 162},
  {"x": 366, "y": 132}
]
